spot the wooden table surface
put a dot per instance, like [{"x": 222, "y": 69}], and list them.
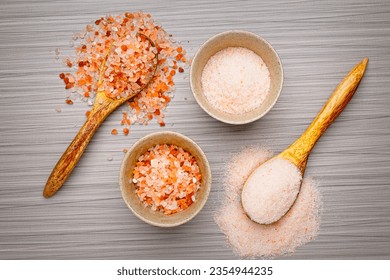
[{"x": 318, "y": 44}]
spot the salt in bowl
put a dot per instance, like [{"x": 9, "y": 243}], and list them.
[
  {"x": 127, "y": 187},
  {"x": 252, "y": 42}
]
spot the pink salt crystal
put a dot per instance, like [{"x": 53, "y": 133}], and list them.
[
  {"x": 235, "y": 80},
  {"x": 271, "y": 190},
  {"x": 71, "y": 79},
  {"x": 252, "y": 240}
]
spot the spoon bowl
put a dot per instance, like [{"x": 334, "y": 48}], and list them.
[{"x": 279, "y": 179}]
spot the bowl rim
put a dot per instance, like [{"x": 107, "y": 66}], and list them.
[
  {"x": 201, "y": 203},
  {"x": 196, "y": 95}
]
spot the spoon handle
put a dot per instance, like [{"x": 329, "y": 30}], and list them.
[
  {"x": 299, "y": 151},
  {"x": 73, "y": 153}
]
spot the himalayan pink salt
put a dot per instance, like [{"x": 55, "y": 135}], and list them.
[
  {"x": 271, "y": 190},
  {"x": 235, "y": 80},
  {"x": 167, "y": 179},
  {"x": 251, "y": 240},
  {"x": 124, "y": 42}
]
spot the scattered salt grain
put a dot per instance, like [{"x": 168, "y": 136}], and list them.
[
  {"x": 235, "y": 80},
  {"x": 110, "y": 158},
  {"x": 271, "y": 190},
  {"x": 57, "y": 53},
  {"x": 252, "y": 240},
  {"x": 58, "y": 109}
]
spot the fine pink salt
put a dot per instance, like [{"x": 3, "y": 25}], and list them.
[
  {"x": 252, "y": 240},
  {"x": 235, "y": 80},
  {"x": 271, "y": 190}
]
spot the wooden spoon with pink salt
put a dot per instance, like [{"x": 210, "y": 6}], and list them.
[
  {"x": 142, "y": 73},
  {"x": 272, "y": 188}
]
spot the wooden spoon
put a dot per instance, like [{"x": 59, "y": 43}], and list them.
[
  {"x": 102, "y": 108},
  {"x": 298, "y": 153}
]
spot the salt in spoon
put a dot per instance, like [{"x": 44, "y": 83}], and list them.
[
  {"x": 280, "y": 178},
  {"x": 102, "y": 108}
]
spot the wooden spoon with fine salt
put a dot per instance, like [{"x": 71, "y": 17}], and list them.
[
  {"x": 272, "y": 188},
  {"x": 102, "y": 108}
]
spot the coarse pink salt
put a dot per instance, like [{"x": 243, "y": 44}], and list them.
[
  {"x": 167, "y": 179},
  {"x": 252, "y": 240},
  {"x": 270, "y": 190},
  {"x": 125, "y": 41},
  {"x": 235, "y": 80}
]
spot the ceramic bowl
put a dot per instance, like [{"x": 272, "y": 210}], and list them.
[
  {"x": 128, "y": 188},
  {"x": 237, "y": 39}
]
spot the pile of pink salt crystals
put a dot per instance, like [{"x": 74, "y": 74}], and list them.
[
  {"x": 167, "y": 178},
  {"x": 130, "y": 60},
  {"x": 252, "y": 240}
]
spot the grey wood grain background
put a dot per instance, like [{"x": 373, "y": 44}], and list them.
[{"x": 318, "y": 42}]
